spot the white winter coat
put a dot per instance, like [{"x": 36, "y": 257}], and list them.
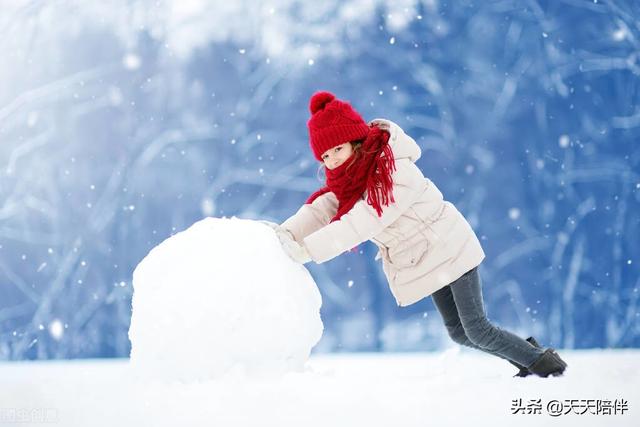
[{"x": 425, "y": 243}]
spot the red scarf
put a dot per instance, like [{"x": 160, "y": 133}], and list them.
[{"x": 370, "y": 173}]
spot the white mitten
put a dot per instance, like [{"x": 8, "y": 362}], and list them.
[{"x": 295, "y": 250}]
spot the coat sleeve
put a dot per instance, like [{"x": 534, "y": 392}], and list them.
[
  {"x": 312, "y": 217},
  {"x": 362, "y": 222}
]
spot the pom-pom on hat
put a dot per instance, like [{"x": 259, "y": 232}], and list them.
[{"x": 333, "y": 122}]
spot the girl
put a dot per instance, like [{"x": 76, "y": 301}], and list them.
[{"x": 374, "y": 191}]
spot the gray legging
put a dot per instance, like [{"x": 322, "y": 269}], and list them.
[{"x": 460, "y": 305}]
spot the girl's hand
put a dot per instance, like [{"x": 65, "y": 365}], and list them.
[{"x": 295, "y": 250}]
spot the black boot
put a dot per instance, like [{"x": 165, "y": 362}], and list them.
[
  {"x": 549, "y": 363},
  {"x": 523, "y": 370}
]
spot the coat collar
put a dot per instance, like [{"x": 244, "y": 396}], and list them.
[{"x": 402, "y": 144}]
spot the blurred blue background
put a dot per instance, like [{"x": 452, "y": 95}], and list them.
[{"x": 124, "y": 122}]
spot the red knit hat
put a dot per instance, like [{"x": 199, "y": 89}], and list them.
[{"x": 333, "y": 122}]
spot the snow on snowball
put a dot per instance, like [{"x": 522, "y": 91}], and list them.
[{"x": 222, "y": 297}]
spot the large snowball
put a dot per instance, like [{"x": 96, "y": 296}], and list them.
[{"x": 219, "y": 296}]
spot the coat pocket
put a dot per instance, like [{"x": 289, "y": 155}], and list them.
[{"x": 411, "y": 250}]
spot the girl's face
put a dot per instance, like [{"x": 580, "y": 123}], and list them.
[{"x": 336, "y": 156}]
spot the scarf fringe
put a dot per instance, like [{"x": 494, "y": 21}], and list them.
[{"x": 379, "y": 183}]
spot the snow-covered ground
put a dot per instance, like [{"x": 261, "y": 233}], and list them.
[
  {"x": 217, "y": 344},
  {"x": 454, "y": 387}
]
